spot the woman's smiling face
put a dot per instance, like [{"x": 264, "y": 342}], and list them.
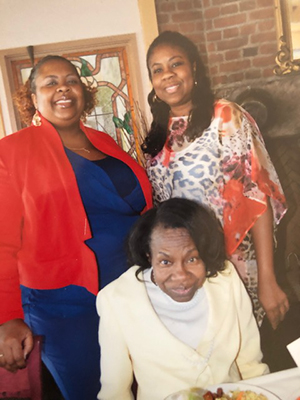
[
  {"x": 172, "y": 77},
  {"x": 177, "y": 267},
  {"x": 59, "y": 93}
]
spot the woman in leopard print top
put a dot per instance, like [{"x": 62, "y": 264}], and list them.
[{"x": 212, "y": 152}]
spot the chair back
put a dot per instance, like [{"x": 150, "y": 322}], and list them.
[{"x": 25, "y": 383}]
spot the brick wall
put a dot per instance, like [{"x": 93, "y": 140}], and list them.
[
  {"x": 238, "y": 42},
  {"x": 236, "y": 38}
]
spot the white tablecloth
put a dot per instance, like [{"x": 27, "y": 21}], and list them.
[{"x": 284, "y": 384}]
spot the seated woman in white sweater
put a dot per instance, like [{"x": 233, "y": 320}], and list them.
[{"x": 180, "y": 317}]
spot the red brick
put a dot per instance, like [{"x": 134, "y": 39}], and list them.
[
  {"x": 234, "y": 66},
  {"x": 253, "y": 73},
  {"x": 168, "y": 27},
  {"x": 222, "y": 2},
  {"x": 236, "y": 77},
  {"x": 211, "y": 12},
  {"x": 197, "y": 38},
  {"x": 187, "y": 27},
  {"x": 229, "y": 9},
  {"x": 268, "y": 72},
  {"x": 185, "y": 5},
  {"x": 248, "y": 29},
  {"x": 211, "y": 47},
  {"x": 200, "y": 25},
  {"x": 216, "y": 58},
  {"x": 230, "y": 32},
  {"x": 247, "y": 5},
  {"x": 232, "y": 43},
  {"x": 268, "y": 48},
  {"x": 213, "y": 70},
  {"x": 232, "y": 20},
  {"x": 201, "y": 46},
  {"x": 219, "y": 80},
  {"x": 205, "y": 62},
  {"x": 184, "y": 16},
  {"x": 261, "y": 14},
  {"x": 197, "y": 4},
  {"x": 213, "y": 35},
  {"x": 250, "y": 51},
  {"x": 163, "y": 18},
  {"x": 167, "y": 7},
  {"x": 233, "y": 55},
  {"x": 263, "y": 37},
  {"x": 205, "y": 3},
  {"x": 208, "y": 24},
  {"x": 266, "y": 25},
  {"x": 264, "y": 3},
  {"x": 263, "y": 61}
]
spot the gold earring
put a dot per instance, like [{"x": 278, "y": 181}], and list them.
[{"x": 36, "y": 119}]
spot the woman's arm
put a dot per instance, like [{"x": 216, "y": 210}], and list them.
[
  {"x": 271, "y": 297},
  {"x": 116, "y": 367},
  {"x": 15, "y": 336}
]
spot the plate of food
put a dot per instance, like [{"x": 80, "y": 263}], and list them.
[
  {"x": 225, "y": 391},
  {"x": 238, "y": 391}
]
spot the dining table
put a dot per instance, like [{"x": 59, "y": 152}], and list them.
[{"x": 284, "y": 384}]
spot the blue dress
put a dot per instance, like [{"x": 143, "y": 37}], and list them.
[{"x": 67, "y": 317}]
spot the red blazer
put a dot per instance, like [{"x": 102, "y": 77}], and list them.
[{"x": 43, "y": 224}]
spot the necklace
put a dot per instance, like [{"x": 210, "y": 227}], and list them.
[{"x": 79, "y": 149}]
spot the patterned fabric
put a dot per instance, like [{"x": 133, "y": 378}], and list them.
[{"x": 227, "y": 169}]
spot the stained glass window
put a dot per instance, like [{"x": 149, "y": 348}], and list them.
[{"x": 108, "y": 71}]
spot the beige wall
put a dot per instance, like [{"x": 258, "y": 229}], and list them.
[{"x": 43, "y": 22}]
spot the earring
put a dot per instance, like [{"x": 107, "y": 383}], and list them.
[
  {"x": 195, "y": 83},
  {"x": 36, "y": 119},
  {"x": 156, "y": 99}
]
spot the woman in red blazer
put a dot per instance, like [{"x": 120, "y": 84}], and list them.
[{"x": 69, "y": 195}]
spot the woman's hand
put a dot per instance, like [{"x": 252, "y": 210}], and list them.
[
  {"x": 274, "y": 301},
  {"x": 16, "y": 342},
  {"x": 271, "y": 296}
]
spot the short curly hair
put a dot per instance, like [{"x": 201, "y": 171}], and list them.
[
  {"x": 199, "y": 221},
  {"x": 22, "y": 97}
]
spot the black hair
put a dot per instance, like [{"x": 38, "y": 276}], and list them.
[
  {"x": 199, "y": 221},
  {"x": 202, "y": 96}
]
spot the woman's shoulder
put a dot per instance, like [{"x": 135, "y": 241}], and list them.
[
  {"x": 122, "y": 284},
  {"x": 229, "y": 269},
  {"x": 227, "y": 109},
  {"x": 20, "y": 137},
  {"x": 226, "y": 275},
  {"x": 232, "y": 120}
]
